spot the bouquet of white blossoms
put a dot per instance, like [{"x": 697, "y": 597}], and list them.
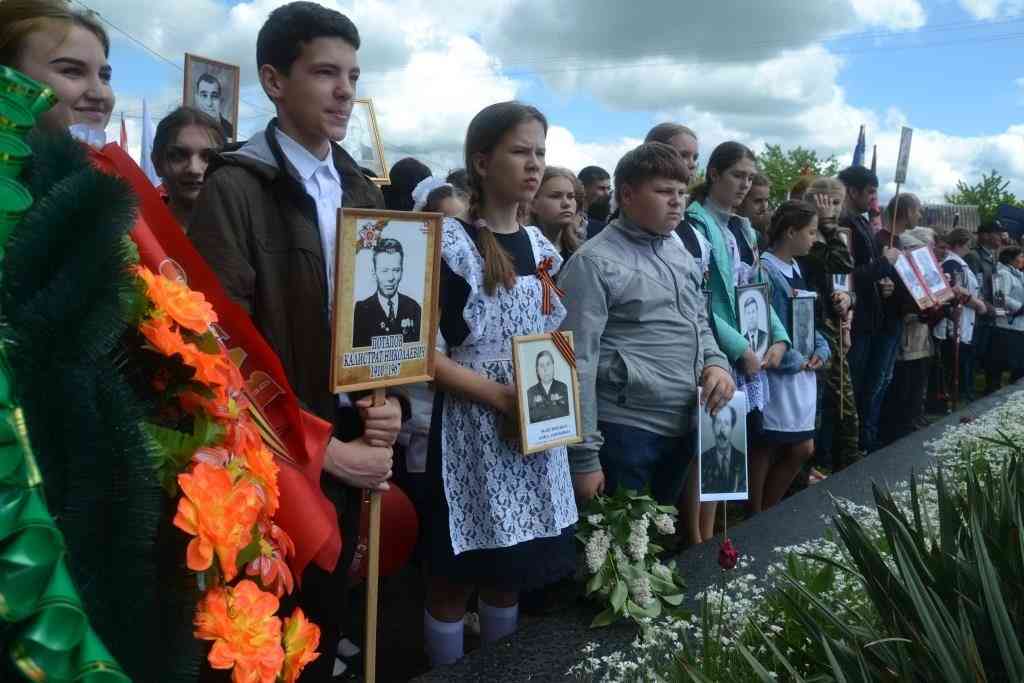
[{"x": 622, "y": 567}]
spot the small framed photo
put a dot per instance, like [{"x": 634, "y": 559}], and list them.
[
  {"x": 803, "y": 322},
  {"x": 548, "y": 393},
  {"x": 388, "y": 266},
  {"x": 840, "y": 282},
  {"x": 722, "y": 449},
  {"x": 912, "y": 281},
  {"x": 363, "y": 143},
  {"x": 212, "y": 87},
  {"x": 753, "y": 314},
  {"x": 931, "y": 273}
]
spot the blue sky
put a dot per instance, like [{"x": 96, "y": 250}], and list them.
[{"x": 796, "y": 73}]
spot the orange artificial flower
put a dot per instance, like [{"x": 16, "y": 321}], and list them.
[
  {"x": 245, "y": 443},
  {"x": 216, "y": 369},
  {"x": 219, "y": 513},
  {"x": 301, "y": 638},
  {"x": 271, "y": 565},
  {"x": 160, "y": 333},
  {"x": 246, "y": 634},
  {"x": 188, "y": 308}
]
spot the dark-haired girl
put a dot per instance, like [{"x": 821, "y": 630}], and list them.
[
  {"x": 502, "y": 522},
  {"x": 734, "y": 261},
  {"x": 787, "y": 441}
]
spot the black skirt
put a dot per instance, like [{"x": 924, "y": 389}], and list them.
[
  {"x": 522, "y": 567},
  {"x": 1006, "y": 349}
]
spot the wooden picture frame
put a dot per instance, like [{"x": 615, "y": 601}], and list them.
[
  {"x": 718, "y": 479},
  {"x": 220, "y": 101},
  {"x": 762, "y": 338},
  {"x": 363, "y": 142},
  {"x": 385, "y": 318},
  {"x": 548, "y": 416},
  {"x": 928, "y": 268}
]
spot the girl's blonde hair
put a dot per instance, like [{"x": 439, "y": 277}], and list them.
[
  {"x": 824, "y": 185},
  {"x": 570, "y": 239},
  {"x": 21, "y": 18}
]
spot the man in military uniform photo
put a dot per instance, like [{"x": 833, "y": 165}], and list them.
[
  {"x": 388, "y": 311},
  {"x": 722, "y": 467},
  {"x": 548, "y": 398}
]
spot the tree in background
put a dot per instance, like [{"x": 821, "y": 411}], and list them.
[
  {"x": 988, "y": 195},
  {"x": 783, "y": 168}
]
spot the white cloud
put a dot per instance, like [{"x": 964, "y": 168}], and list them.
[
  {"x": 892, "y": 14},
  {"x": 992, "y": 9}
]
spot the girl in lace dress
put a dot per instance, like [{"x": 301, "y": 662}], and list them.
[{"x": 502, "y": 522}]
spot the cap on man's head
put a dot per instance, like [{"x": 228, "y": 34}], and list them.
[{"x": 990, "y": 227}]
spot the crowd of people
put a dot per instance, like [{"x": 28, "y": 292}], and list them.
[{"x": 650, "y": 258}]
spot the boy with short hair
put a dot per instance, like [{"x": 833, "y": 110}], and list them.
[
  {"x": 266, "y": 222},
  {"x": 642, "y": 337}
]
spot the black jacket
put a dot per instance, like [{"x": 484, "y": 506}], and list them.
[
  {"x": 870, "y": 266},
  {"x": 371, "y": 320}
]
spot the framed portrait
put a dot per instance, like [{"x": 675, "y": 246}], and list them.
[
  {"x": 548, "y": 393},
  {"x": 931, "y": 274},
  {"x": 753, "y": 314},
  {"x": 212, "y": 87},
  {"x": 388, "y": 266},
  {"x": 803, "y": 322},
  {"x": 722, "y": 451},
  {"x": 912, "y": 281},
  {"x": 362, "y": 141},
  {"x": 841, "y": 282}
]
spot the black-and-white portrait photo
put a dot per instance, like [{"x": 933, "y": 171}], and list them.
[
  {"x": 393, "y": 307},
  {"x": 841, "y": 282},
  {"x": 547, "y": 391},
  {"x": 803, "y": 323},
  {"x": 911, "y": 280},
  {"x": 752, "y": 312},
  {"x": 929, "y": 270},
  {"x": 548, "y": 398},
  {"x": 362, "y": 138},
  {"x": 722, "y": 441},
  {"x": 212, "y": 87}
]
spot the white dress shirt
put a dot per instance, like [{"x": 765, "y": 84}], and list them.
[{"x": 322, "y": 183}]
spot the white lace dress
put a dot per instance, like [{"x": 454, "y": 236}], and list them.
[{"x": 497, "y": 498}]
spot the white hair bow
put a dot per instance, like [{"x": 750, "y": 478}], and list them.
[{"x": 423, "y": 190}]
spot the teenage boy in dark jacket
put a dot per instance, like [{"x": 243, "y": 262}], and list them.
[
  {"x": 266, "y": 222},
  {"x": 876, "y": 328}
]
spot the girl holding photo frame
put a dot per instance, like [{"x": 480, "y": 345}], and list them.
[
  {"x": 787, "y": 441},
  {"x": 501, "y": 522}
]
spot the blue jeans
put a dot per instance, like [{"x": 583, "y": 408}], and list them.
[
  {"x": 872, "y": 359},
  {"x": 637, "y": 459}
]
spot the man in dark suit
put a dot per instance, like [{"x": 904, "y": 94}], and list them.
[
  {"x": 756, "y": 337},
  {"x": 548, "y": 398},
  {"x": 388, "y": 311},
  {"x": 722, "y": 467}
]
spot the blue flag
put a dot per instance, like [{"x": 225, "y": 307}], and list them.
[{"x": 859, "y": 150}]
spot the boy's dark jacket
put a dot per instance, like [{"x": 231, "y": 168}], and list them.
[{"x": 257, "y": 228}]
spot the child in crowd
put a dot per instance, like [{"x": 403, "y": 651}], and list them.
[
  {"x": 734, "y": 260},
  {"x": 787, "y": 440},
  {"x": 643, "y": 339},
  {"x": 556, "y": 210},
  {"x": 830, "y": 256},
  {"x": 501, "y": 523},
  {"x": 961, "y": 316}
]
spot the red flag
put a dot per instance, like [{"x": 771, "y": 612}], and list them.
[
  {"x": 124, "y": 133},
  {"x": 307, "y": 516}
]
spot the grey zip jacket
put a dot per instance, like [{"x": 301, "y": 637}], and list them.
[{"x": 640, "y": 328}]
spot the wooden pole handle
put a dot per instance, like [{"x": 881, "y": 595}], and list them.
[{"x": 373, "y": 574}]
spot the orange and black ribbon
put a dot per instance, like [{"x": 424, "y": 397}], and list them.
[
  {"x": 564, "y": 347},
  {"x": 548, "y": 286}
]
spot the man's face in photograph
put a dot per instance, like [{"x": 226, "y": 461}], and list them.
[
  {"x": 545, "y": 369},
  {"x": 208, "y": 96},
  {"x": 750, "y": 315},
  {"x": 387, "y": 268},
  {"x": 722, "y": 425}
]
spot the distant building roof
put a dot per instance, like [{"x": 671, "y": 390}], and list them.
[{"x": 943, "y": 216}]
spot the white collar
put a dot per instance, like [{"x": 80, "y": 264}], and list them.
[
  {"x": 302, "y": 162},
  {"x": 384, "y": 301},
  {"x": 956, "y": 258},
  {"x": 787, "y": 268}
]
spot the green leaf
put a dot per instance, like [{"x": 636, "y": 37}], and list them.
[
  {"x": 175, "y": 449},
  {"x": 619, "y": 595},
  {"x": 206, "y": 342},
  {"x": 251, "y": 551},
  {"x": 1005, "y": 634},
  {"x": 596, "y": 581},
  {"x": 675, "y": 600},
  {"x": 605, "y": 618}
]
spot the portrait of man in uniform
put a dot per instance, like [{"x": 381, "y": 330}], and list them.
[
  {"x": 387, "y": 311},
  {"x": 723, "y": 467},
  {"x": 548, "y": 398}
]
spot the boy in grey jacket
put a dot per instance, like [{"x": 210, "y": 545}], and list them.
[{"x": 643, "y": 342}]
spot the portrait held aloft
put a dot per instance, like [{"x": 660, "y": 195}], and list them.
[
  {"x": 752, "y": 312},
  {"x": 363, "y": 142},
  {"x": 385, "y": 300},
  {"x": 722, "y": 444},
  {"x": 547, "y": 391},
  {"x": 213, "y": 88}
]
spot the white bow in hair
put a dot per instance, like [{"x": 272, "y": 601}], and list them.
[{"x": 423, "y": 190}]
